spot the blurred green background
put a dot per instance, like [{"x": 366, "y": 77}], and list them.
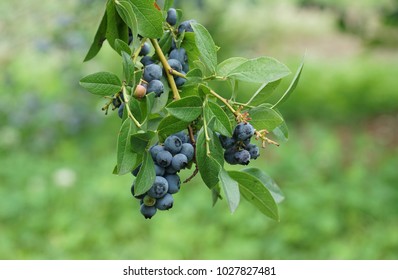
[{"x": 59, "y": 200}]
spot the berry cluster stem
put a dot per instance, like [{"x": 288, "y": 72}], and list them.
[
  {"x": 131, "y": 116},
  {"x": 167, "y": 68}
]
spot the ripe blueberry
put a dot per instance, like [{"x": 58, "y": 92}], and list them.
[
  {"x": 243, "y": 131},
  {"x": 170, "y": 170},
  {"x": 120, "y": 111},
  {"x": 154, "y": 150},
  {"x": 175, "y": 64},
  {"x": 226, "y": 142},
  {"x": 183, "y": 136},
  {"x": 165, "y": 203},
  {"x": 243, "y": 157},
  {"x": 180, "y": 81},
  {"x": 174, "y": 183},
  {"x": 152, "y": 72},
  {"x": 148, "y": 211},
  {"x": 155, "y": 86},
  {"x": 179, "y": 161},
  {"x": 253, "y": 150},
  {"x": 146, "y": 48},
  {"x": 229, "y": 156},
  {"x": 159, "y": 170},
  {"x": 173, "y": 144},
  {"x": 164, "y": 158},
  {"x": 159, "y": 187},
  {"x": 171, "y": 16},
  {"x": 146, "y": 60},
  {"x": 187, "y": 150},
  {"x": 179, "y": 54},
  {"x": 133, "y": 193},
  {"x": 185, "y": 26}
]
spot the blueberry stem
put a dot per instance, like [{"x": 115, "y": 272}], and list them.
[
  {"x": 225, "y": 101},
  {"x": 167, "y": 68},
  {"x": 176, "y": 73}
]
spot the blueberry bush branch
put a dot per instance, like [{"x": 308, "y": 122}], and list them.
[{"x": 171, "y": 117}]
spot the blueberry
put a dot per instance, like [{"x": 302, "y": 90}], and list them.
[
  {"x": 229, "y": 156},
  {"x": 187, "y": 150},
  {"x": 148, "y": 211},
  {"x": 152, "y": 72},
  {"x": 185, "y": 67},
  {"x": 135, "y": 171},
  {"x": 120, "y": 111},
  {"x": 179, "y": 161},
  {"x": 146, "y": 60},
  {"x": 180, "y": 81},
  {"x": 179, "y": 54},
  {"x": 253, "y": 150},
  {"x": 155, "y": 86},
  {"x": 164, "y": 158},
  {"x": 175, "y": 64},
  {"x": 185, "y": 26},
  {"x": 159, "y": 187},
  {"x": 226, "y": 142},
  {"x": 165, "y": 203},
  {"x": 173, "y": 144},
  {"x": 154, "y": 150},
  {"x": 170, "y": 170},
  {"x": 174, "y": 183},
  {"x": 243, "y": 157},
  {"x": 159, "y": 170},
  {"x": 183, "y": 136},
  {"x": 243, "y": 131},
  {"x": 171, "y": 16},
  {"x": 133, "y": 193},
  {"x": 146, "y": 48}
]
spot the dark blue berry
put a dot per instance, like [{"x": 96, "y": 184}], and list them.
[
  {"x": 152, "y": 72},
  {"x": 171, "y": 16},
  {"x": 159, "y": 187},
  {"x": 179, "y": 161},
  {"x": 146, "y": 48},
  {"x": 155, "y": 86},
  {"x": 154, "y": 150},
  {"x": 229, "y": 156},
  {"x": 146, "y": 60},
  {"x": 183, "y": 136},
  {"x": 171, "y": 170},
  {"x": 187, "y": 150},
  {"x": 173, "y": 144},
  {"x": 226, "y": 142},
  {"x": 243, "y": 131},
  {"x": 165, "y": 203},
  {"x": 148, "y": 211},
  {"x": 159, "y": 170},
  {"x": 185, "y": 26},
  {"x": 164, "y": 158},
  {"x": 253, "y": 150},
  {"x": 175, "y": 64},
  {"x": 135, "y": 171},
  {"x": 174, "y": 183},
  {"x": 180, "y": 81},
  {"x": 179, "y": 54},
  {"x": 243, "y": 157},
  {"x": 120, "y": 111},
  {"x": 133, "y": 193},
  {"x": 185, "y": 67}
]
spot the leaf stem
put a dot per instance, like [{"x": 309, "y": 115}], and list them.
[
  {"x": 207, "y": 138},
  {"x": 167, "y": 68},
  {"x": 131, "y": 116},
  {"x": 225, "y": 101}
]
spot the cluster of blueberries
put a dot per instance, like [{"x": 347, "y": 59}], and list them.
[
  {"x": 238, "y": 149},
  {"x": 174, "y": 155}
]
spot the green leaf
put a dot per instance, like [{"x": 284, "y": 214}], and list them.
[
  {"x": 126, "y": 12},
  {"x": 126, "y": 158},
  {"x": 102, "y": 83},
  {"x": 206, "y": 46},
  {"x": 168, "y": 4},
  {"x": 140, "y": 140},
  {"x": 228, "y": 65},
  {"x": 292, "y": 86},
  {"x": 258, "y": 70},
  {"x": 99, "y": 38},
  {"x": 215, "y": 191},
  {"x": 160, "y": 102},
  {"x": 268, "y": 182},
  {"x": 253, "y": 190},
  {"x": 209, "y": 167},
  {"x": 146, "y": 176},
  {"x": 116, "y": 28},
  {"x": 170, "y": 125},
  {"x": 231, "y": 190},
  {"x": 263, "y": 117},
  {"x": 135, "y": 108},
  {"x": 281, "y": 132},
  {"x": 150, "y": 19},
  {"x": 221, "y": 120},
  {"x": 186, "y": 109},
  {"x": 264, "y": 93},
  {"x": 189, "y": 44},
  {"x": 122, "y": 46},
  {"x": 128, "y": 67}
]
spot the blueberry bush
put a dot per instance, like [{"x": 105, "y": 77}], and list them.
[{"x": 172, "y": 118}]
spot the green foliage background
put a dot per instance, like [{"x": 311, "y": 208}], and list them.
[{"x": 59, "y": 200}]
